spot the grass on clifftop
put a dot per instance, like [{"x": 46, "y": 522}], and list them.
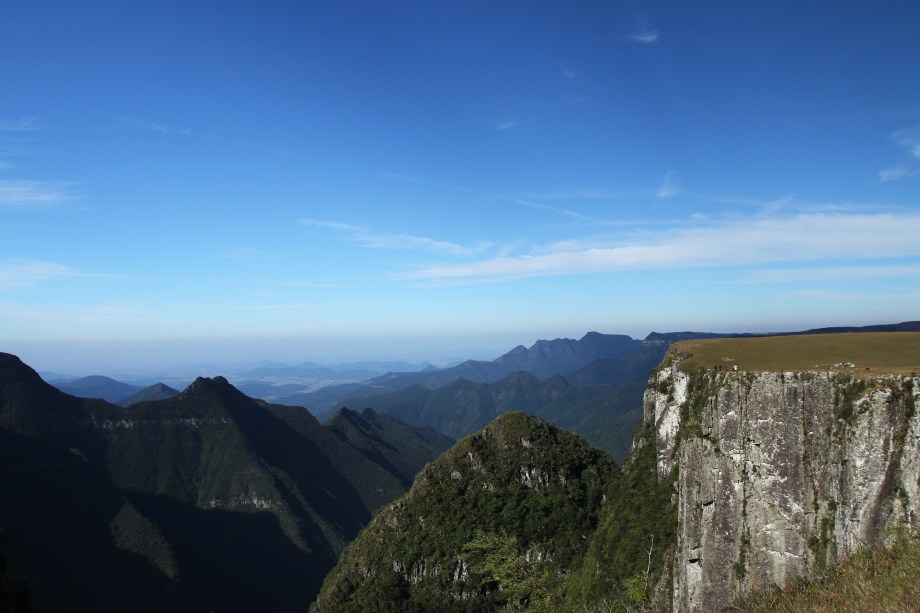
[
  {"x": 871, "y": 580},
  {"x": 865, "y": 354}
]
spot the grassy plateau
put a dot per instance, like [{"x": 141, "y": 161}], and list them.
[{"x": 859, "y": 354}]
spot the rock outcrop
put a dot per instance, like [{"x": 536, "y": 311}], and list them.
[{"x": 781, "y": 473}]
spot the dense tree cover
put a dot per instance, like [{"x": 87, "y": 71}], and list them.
[
  {"x": 637, "y": 528},
  {"x": 521, "y": 483},
  {"x": 519, "y": 517},
  {"x": 208, "y": 500}
]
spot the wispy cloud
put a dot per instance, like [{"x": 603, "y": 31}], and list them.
[
  {"x": 590, "y": 193},
  {"x": 23, "y": 124},
  {"x": 897, "y": 172},
  {"x": 803, "y": 237},
  {"x": 509, "y": 124},
  {"x": 909, "y": 139},
  {"x": 540, "y": 206},
  {"x": 669, "y": 186},
  {"x": 145, "y": 124},
  {"x": 22, "y": 194},
  {"x": 16, "y": 138},
  {"x": 365, "y": 237},
  {"x": 572, "y": 75},
  {"x": 24, "y": 274},
  {"x": 644, "y": 35}
]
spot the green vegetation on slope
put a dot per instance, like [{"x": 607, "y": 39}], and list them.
[
  {"x": 208, "y": 500},
  {"x": 629, "y": 550},
  {"x": 887, "y": 581},
  {"x": 402, "y": 450},
  {"x": 869, "y": 353},
  {"x": 520, "y": 484}
]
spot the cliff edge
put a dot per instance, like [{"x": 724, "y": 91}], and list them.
[{"x": 781, "y": 473}]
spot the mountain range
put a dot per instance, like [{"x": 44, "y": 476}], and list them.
[
  {"x": 206, "y": 500},
  {"x": 542, "y": 359},
  {"x": 209, "y": 499},
  {"x": 738, "y": 479},
  {"x": 592, "y": 386}
]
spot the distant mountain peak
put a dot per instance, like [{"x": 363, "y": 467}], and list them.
[
  {"x": 213, "y": 386},
  {"x": 157, "y": 391}
]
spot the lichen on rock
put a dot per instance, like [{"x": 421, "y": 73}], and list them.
[{"x": 780, "y": 473}]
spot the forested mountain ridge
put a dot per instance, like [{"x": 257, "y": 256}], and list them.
[
  {"x": 543, "y": 359},
  {"x": 601, "y": 400},
  {"x": 737, "y": 479},
  {"x": 208, "y": 500},
  {"x": 109, "y": 507},
  {"x": 397, "y": 447},
  {"x": 520, "y": 484}
]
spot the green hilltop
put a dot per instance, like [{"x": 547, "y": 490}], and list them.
[{"x": 520, "y": 515}]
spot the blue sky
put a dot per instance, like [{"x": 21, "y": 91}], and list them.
[{"x": 242, "y": 180}]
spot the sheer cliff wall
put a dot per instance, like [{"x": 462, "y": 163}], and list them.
[{"x": 781, "y": 473}]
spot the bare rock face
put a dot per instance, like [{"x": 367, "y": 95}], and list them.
[{"x": 781, "y": 473}]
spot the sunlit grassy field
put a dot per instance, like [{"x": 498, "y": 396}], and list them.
[{"x": 869, "y": 353}]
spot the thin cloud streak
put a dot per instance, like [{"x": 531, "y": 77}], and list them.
[
  {"x": 135, "y": 122},
  {"x": 645, "y": 36},
  {"x": 669, "y": 186},
  {"x": 896, "y": 172},
  {"x": 552, "y": 209},
  {"x": 23, "y": 124},
  {"x": 19, "y": 193},
  {"x": 909, "y": 139},
  {"x": 364, "y": 237},
  {"x": 26, "y": 273},
  {"x": 798, "y": 238}
]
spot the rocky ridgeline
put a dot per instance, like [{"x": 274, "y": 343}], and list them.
[{"x": 781, "y": 473}]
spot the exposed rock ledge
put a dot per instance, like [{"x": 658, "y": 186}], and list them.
[{"x": 781, "y": 473}]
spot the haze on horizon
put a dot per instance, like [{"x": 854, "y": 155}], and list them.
[{"x": 315, "y": 181}]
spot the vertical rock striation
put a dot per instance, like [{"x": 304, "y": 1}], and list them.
[{"x": 781, "y": 473}]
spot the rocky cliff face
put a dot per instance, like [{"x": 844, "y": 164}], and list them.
[{"x": 781, "y": 473}]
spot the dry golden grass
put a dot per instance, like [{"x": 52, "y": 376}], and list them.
[
  {"x": 872, "y": 580},
  {"x": 870, "y": 353}
]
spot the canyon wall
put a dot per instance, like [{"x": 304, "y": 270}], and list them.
[{"x": 781, "y": 473}]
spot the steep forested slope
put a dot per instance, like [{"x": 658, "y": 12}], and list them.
[
  {"x": 520, "y": 491},
  {"x": 205, "y": 500}
]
